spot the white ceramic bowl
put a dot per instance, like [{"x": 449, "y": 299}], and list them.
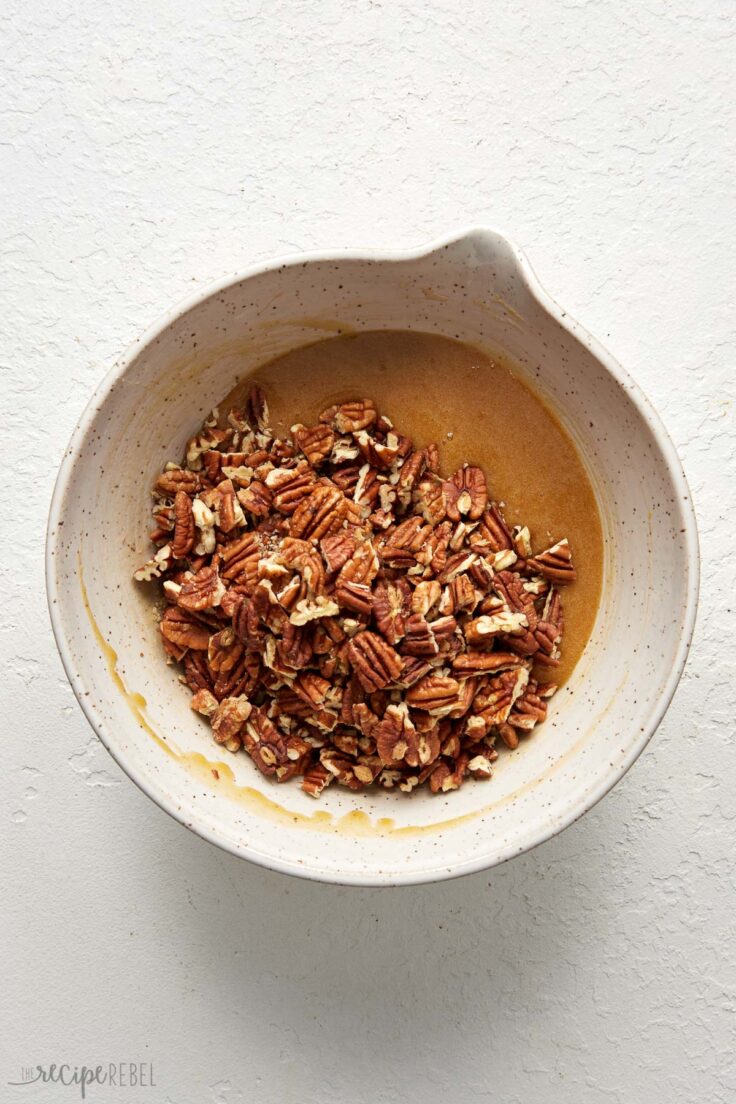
[{"x": 475, "y": 286}]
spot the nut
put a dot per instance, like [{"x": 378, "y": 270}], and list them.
[
  {"x": 374, "y": 660},
  {"x": 362, "y": 567},
  {"x": 177, "y": 479},
  {"x": 321, "y": 513},
  {"x": 354, "y": 596},
  {"x": 183, "y": 631},
  {"x": 203, "y": 590},
  {"x": 555, "y": 563},
  {"x": 256, "y": 498},
  {"x": 229, "y": 717},
  {"x": 493, "y": 533},
  {"x": 316, "y": 442},
  {"x": 341, "y": 612},
  {"x": 466, "y": 494},
  {"x": 184, "y": 528},
  {"x": 473, "y": 662},
  {"x": 350, "y": 417},
  {"x": 337, "y": 549},
  {"x": 436, "y": 694}
]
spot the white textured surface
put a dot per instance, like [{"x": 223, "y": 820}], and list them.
[{"x": 146, "y": 147}]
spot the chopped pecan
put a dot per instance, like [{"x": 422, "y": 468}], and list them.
[
  {"x": 256, "y": 498},
  {"x": 228, "y": 511},
  {"x": 316, "y": 778},
  {"x": 239, "y": 560},
  {"x": 432, "y": 457},
  {"x": 295, "y": 648},
  {"x": 431, "y": 501},
  {"x": 480, "y": 632},
  {"x": 311, "y": 688},
  {"x": 290, "y": 487},
  {"x": 228, "y": 720},
  {"x": 210, "y": 438},
  {"x": 529, "y": 709},
  {"x": 396, "y": 739},
  {"x": 510, "y": 588},
  {"x": 419, "y": 640},
  {"x": 495, "y": 699},
  {"x": 204, "y": 702},
  {"x": 555, "y": 563},
  {"x": 367, "y": 489},
  {"x": 155, "y": 567},
  {"x": 377, "y": 625},
  {"x": 257, "y": 408},
  {"x": 346, "y": 477},
  {"x": 224, "y": 651},
  {"x": 445, "y": 778},
  {"x": 377, "y": 453},
  {"x": 425, "y": 597},
  {"x": 462, "y": 595},
  {"x": 374, "y": 660},
  {"x": 196, "y": 672},
  {"x": 493, "y": 532},
  {"x": 313, "y": 609}
]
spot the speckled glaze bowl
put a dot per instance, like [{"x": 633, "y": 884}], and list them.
[{"x": 477, "y": 287}]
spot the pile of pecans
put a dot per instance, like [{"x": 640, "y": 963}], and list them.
[{"x": 342, "y": 611}]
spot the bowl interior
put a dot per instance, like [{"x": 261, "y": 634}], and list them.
[{"x": 475, "y": 289}]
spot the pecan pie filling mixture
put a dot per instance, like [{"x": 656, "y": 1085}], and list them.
[{"x": 343, "y": 612}]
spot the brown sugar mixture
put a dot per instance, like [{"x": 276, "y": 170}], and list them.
[{"x": 366, "y": 589}]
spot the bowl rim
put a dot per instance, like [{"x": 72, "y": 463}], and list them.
[{"x": 571, "y": 812}]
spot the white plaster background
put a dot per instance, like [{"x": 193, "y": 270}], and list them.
[{"x": 150, "y": 146}]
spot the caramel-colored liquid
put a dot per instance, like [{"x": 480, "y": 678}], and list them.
[{"x": 477, "y": 410}]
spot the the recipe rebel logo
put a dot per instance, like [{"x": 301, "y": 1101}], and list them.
[{"x": 113, "y": 1075}]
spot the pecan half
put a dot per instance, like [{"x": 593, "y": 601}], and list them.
[
  {"x": 316, "y": 442},
  {"x": 177, "y": 479},
  {"x": 354, "y": 596},
  {"x": 183, "y": 630},
  {"x": 322, "y": 513},
  {"x": 337, "y": 549},
  {"x": 466, "y": 494},
  {"x": 350, "y": 417},
  {"x": 436, "y": 694},
  {"x": 362, "y": 567},
  {"x": 390, "y": 599},
  {"x": 239, "y": 560},
  {"x": 473, "y": 662},
  {"x": 202, "y": 590},
  {"x": 374, "y": 660},
  {"x": 184, "y": 528}
]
